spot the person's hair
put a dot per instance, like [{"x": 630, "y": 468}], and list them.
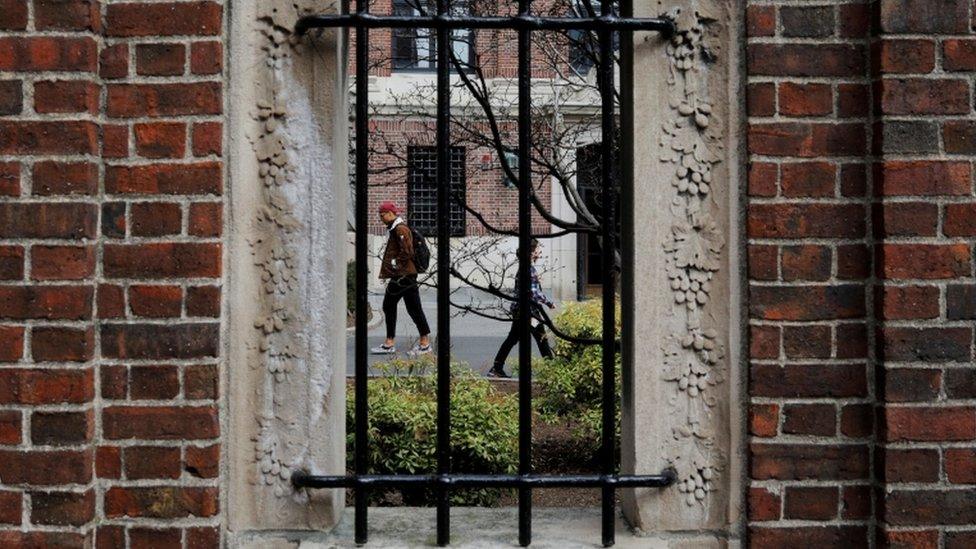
[{"x": 534, "y": 244}]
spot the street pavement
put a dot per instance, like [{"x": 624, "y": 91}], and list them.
[{"x": 474, "y": 339}]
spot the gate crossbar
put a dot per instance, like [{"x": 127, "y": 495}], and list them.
[{"x": 444, "y": 481}]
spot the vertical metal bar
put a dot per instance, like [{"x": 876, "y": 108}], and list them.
[
  {"x": 443, "y": 274},
  {"x": 609, "y": 273},
  {"x": 524, "y": 281},
  {"x": 362, "y": 227}
]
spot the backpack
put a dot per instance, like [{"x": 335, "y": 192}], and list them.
[{"x": 421, "y": 252}]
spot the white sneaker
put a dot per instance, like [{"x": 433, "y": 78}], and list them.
[
  {"x": 419, "y": 349},
  {"x": 382, "y": 349}
]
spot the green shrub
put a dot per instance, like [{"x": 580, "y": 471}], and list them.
[
  {"x": 570, "y": 383},
  {"x": 403, "y": 429}
]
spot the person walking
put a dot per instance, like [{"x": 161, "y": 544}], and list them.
[
  {"x": 537, "y": 300},
  {"x": 400, "y": 270}
]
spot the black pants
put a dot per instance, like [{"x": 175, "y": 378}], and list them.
[
  {"x": 538, "y": 332},
  {"x": 405, "y": 288}
]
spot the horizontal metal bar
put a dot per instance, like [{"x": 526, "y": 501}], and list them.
[
  {"x": 449, "y": 481},
  {"x": 516, "y": 22}
]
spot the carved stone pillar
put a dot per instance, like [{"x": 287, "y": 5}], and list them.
[
  {"x": 285, "y": 370},
  {"x": 680, "y": 404}
]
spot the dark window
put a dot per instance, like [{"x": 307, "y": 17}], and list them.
[
  {"x": 415, "y": 48},
  {"x": 422, "y": 190},
  {"x": 584, "y": 45}
]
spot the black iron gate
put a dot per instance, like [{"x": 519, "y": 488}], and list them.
[{"x": 443, "y": 481}]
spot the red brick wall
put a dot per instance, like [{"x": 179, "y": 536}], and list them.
[
  {"x": 861, "y": 237},
  {"x": 110, "y": 272}
]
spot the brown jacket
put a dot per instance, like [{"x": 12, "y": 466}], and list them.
[{"x": 398, "y": 256}]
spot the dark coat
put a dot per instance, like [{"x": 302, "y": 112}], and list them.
[{"x": 398, "y": 256}]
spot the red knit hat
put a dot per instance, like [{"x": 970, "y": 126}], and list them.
[{"x": 389, "y": 206}]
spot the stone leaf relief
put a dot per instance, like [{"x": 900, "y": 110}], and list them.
[{"x": 694, "y": 357}]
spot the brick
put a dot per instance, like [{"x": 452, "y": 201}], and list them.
[
  {"x": 852, "y": 341},
  {"x": 160, "y": 139},
  {"x": 11, "y": 427},
  {"x": 959, "y": 136},
  {"x": 808, "y": 536},
  {"x": 110, "y": 537},
  {"x": 809, "y": 179},
  {"x": 908, "y": 96},
  {"x": 909, "y": 465},
  {"x": 905, "y": 219},
  {"x": 924, "y": 261},
  {"x": 806, "y": 220},
  {"x": 924, "y": 178},
  {"x": 66, "y": 96},
  {"x": 906, "y": 302},
  {"x": 111, "y": 301},
  {"x": 155, "y": 538},
  {"x": 806, "y": 263},
  {"x": 760, "y": 20},
  {"x": 959, "y": 55},
  {"x": 45, "y": 468},
  {"x": 48, "y": 53},
  {"x": 911, "y": 384},
  {"x": 43, "y": 540},
  {"x": 910, "y": 539},
  {"x": 207, "y": 139},
  {"x": 45, "y": 302},
  {"x": 960, "y": 219},
  {"x": 160, "y": 423},
  {"x": 67, "y": 15},
  {"x": 11, "y": 263},
  {"x": 853, "y": 180},
  {"x": 164, "y": 19},
  {"x": 810, "y": 419},
  {"x": 114, "y": 62},
  {"x": 142, "y": 462},
  {"x": 924, "y": 16},
  {"x": 11, "y": 97},
  {"x": 206, "y": 57},
  {"x": 808, "y": 461},
  {"x": 855, "y": 502},
  {"x": 763, "y": 262},
  {"x": 11, "y": 507},
  {"x": 9, "y": 179},
  {"x": 62, "y": 262},
  {"x": 805, "y": 99},
  {"x": 152, "y": 341},
  {"x": 154, "y": 382},
  {"x": 810, "y": 503},
  {"x": 203, "y": 462},
  {"x": 930, "y": 507},
  {"x": 806, "y": 341},
  {"x": 808, "y": 380},
  {"x": 960, "y": 464},
  {"x": 59, "y": 344},
  {"x": 763, "y": 505},
  {"x": 807, "y": 22},
  {"x": 203, "y": 301},
  {"x": 853, "y": 100},
  {"x": 161, "y": 502},
  {"x": 202, "y": 538},
  {"x": 64, "y": 178},
  {"x": 806, "y": 60},
  {"x": 50, "y": 220},
  {"x": 160, "y": 59},
  {"x": 113, "y": 219},
  {"x": 960, "y": 539},
  {"x": 925, "y": 344},
  {"x": 11, "y": 343},
  {"x": 199, "y": 178},
  {"x": 961, "y": 302},
  {"x": 13, "y": 15},
  {"x": 807, "y": 140},
  {"x": 62, "y": 508},
  {"x": 762, "y": 179},
  {"x": 47, "y": 386},
  {"x": 156, "y": 301},
  {"x": 761, "y": 99},
  {"x": 153, "y": 100},
  {"x": 206, "y": 219},
  {"x": 806, "y": 302},
  {"x": 115, "y": 141},
  {"x": 929, "y": 424},
  {"x": 108, "y": 462},
  {"x": 905, "y": 56},
  {"x": 48, "y": 137},
  {"x": 155, "y": 218},
  {"x": 763, "y": 420},
  {"x": 115, "y": 382},
  {"x": 960, "y": 383},
  {"x": 906, "y": 137},
  {"x": 164, "y": 260},
  {"x": 857, "y": 420},
  {"x": 200, "y": 382}
]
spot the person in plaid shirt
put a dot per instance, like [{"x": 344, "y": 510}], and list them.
[{"x": 537, "y": 300}]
